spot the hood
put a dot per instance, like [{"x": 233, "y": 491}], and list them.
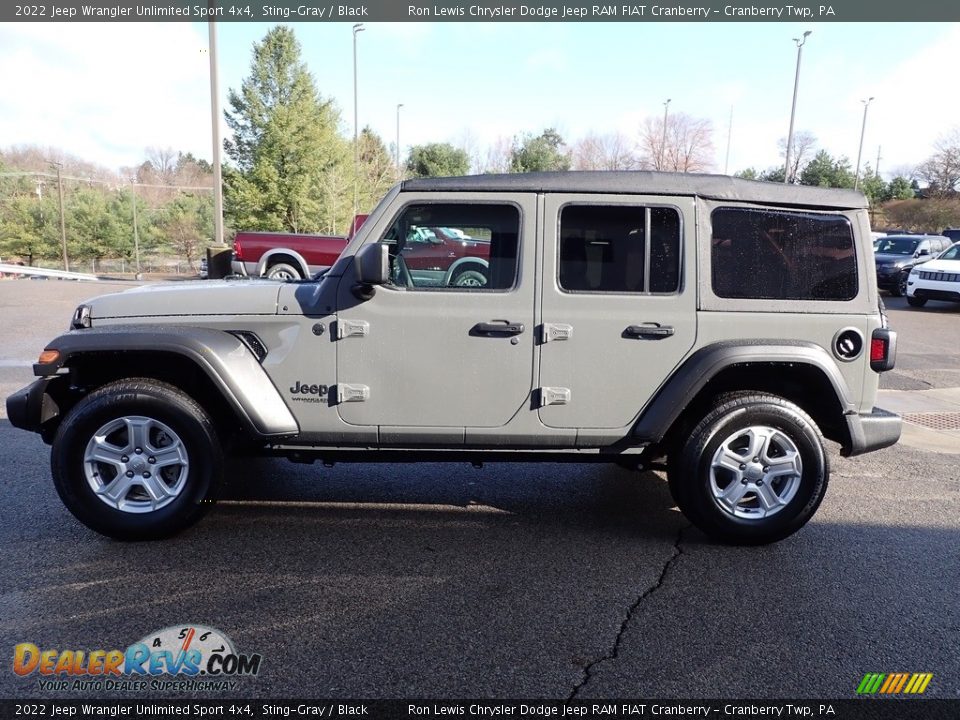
[
  {"x": 893, "y": 257},
  {"x": 211, "y": 297},
  {"x": 950, "y": 266}
]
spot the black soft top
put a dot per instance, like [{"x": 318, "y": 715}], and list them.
[{"x": 644, "y": 182}]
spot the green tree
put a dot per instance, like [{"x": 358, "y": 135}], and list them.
[
  {"x": 186, "y": 225},
  {"x": 900, "y": 189},
  {"x": 826, "y": 171},
  {"x": 94, "y": 228},
  {"x": 748, "y": 174},
  {"x": 873, "y": 186},
  {"x": 285, "y": 142},
  {"x": 437, "y": 160},
  {"x": 377, "y": 171},
  {"x": 539, "y": 153}
]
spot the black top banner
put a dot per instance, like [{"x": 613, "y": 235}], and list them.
[{"x": 503, "y": 11}]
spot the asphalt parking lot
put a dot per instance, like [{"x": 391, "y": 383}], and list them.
[{"x": 515, "y": 581}]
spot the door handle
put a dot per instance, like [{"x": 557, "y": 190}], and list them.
[
  {"x": 497, "y": 327},
  {"x": 654, "y": 331}
]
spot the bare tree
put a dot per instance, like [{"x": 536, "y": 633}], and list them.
[
  {"x": 804, "y": 148},
  {"x": 941, "y": 171},
  {"x": 498, "y": 156},
  {"x": 604, "y": 152},
  {"x": 688, "y": 147},
  {"x": 164, "y": 164}
]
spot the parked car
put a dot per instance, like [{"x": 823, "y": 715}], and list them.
[
  {"x": 284, "y": 256},
  {"x": 938, "y": 279},
  {"x": 952, "y": 233},
  {"x": 725, "y": 325},
  {"x": 896, "y": 255}
]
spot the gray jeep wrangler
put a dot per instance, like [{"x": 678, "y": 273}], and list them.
[{"x": 726, "y": 325}]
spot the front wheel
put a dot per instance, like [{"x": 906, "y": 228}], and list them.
[
  {"x": 136, "y": 460},
  {"x": 914, "y": 301},
  {"x": 753, "y": 471},
  {"x": 900, "y": 288}
]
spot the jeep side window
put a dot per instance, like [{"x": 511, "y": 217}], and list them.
[
  {"x": 605, "y": 248},
  {"x": 782, "y": 255},
  {"x": 455, "y": 246}
]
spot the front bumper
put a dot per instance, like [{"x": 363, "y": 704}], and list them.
[
  {"x": 30, "y": 408},
  {"x": 871, "y": 431}
]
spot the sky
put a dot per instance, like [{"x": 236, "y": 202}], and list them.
[{"x": 106, "y": 92}]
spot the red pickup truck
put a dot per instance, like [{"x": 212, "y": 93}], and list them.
[{"x": 434, "y": 256}]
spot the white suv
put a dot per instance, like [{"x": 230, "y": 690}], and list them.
[{"x": 936, "y": 280}]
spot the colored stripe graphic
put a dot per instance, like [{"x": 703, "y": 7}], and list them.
[{"x": 894, "y": 683}]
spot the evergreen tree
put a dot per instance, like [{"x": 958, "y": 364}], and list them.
[
  {"x": 541, "y": 153},
  {"x": 437, "y": 160},
  {"x": 285, "y": 144}
]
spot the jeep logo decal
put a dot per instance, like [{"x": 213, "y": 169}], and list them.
[{"x": 303, "y": 389}]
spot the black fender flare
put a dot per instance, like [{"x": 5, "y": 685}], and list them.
[
  {"x": 706, "y": 363},
  {"x": 224, "y": 358}
]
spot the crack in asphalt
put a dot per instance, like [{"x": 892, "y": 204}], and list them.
[{"x": 588, "y": 670}]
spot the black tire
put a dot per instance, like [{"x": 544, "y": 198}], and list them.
[
  {"x": 168, "y": 409},
  {"x": 915, "y": 301},
  {"x": 899, "y": 289},
  {"x": 284, "y": 271},
  {"x": 470, "y": 277},
  {"x": 692, "y": 484}
]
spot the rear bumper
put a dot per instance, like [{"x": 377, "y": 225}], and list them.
[
  {"x": 241, "y": 268},
  {"x": 871, "y": 431}
]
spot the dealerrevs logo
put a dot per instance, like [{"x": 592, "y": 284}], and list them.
[{"x": 179, "y": 657}]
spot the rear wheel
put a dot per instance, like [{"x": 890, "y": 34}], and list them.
[
  {"x": 137, "y": 459},
  {"x": 283, "y": 271},
  {"x": 916, "y": 301},
  {"x": 753, "y": 471},
  {"x": 469, "y": 278}
]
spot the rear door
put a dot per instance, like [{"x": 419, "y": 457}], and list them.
[{"x": 618, "y": 305}]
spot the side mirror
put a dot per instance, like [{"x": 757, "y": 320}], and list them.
[
  {"x": 924, "y": 251},
  {"x": 373, "y": 264},
  {"x": 373, "y": 268}
]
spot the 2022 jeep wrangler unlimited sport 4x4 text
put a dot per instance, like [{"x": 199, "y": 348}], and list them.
[{"x": 727, "y": 325}]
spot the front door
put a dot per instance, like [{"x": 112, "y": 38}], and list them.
[
  {"x": 429, "y": 358},
  {"x": 618, "y": 305}
]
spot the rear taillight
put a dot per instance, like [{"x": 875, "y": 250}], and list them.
[
  {"x": 883, "y": 349},
  {"x": 237, "y": 249}
]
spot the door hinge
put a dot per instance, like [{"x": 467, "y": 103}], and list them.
[
  {"x": 352, "y": 393},
  {"x": 352, "y": 328},
  {"x": 555, "y": 331},
  {"x": 554, "y": 396}
]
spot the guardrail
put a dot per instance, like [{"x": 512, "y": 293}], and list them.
[{"x": 6, "y": 269}]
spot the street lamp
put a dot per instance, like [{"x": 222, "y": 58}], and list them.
[
  {"x": 215, "y": 140},
  {"x": 357, "y": 28},
  {"x": 399, "y": 105},
  {"x": 793, "y": 107},
  {"x": 863, "y": 130},
  {"x": 663, "y": 141}
]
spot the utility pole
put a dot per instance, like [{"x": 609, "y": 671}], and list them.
[
  {"x": 136, "y": 232},
  {"x": 63, "y": 221},
  {"x": 877, "y": 168},
  {"x": 726, "y": 163}
]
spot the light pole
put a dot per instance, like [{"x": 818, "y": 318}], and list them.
[
  {"x": 136, "y": 231},
  {"x": 863, "y": 130},
  {"x": 215, "y": 135},
  {"x": 663, "y": 140},
  {"x": 357, "y": 28},
  {"x": 793, "y": 107},
  {"x": 399, "y": 105}
]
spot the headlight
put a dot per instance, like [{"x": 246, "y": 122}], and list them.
[{"x": 81, "y": 318}]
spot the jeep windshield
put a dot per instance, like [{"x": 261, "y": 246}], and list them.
[{"x": 897, "y": 246}]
